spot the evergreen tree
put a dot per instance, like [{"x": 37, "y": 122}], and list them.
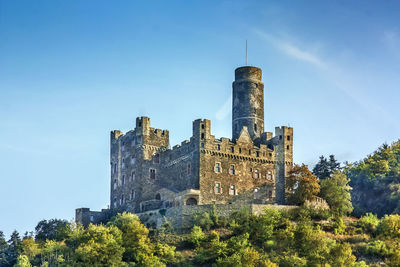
[
  {"x": 324, "y": 168},
  {"x": 14, "y": 247},
  {"x": 3, "y": 250}
]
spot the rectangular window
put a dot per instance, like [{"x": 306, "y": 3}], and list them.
[
  {"x": 189, "y": 169},
  {"x": 218, "y": 147},
  {"x": 218, "y": 189},
  {"x": 156, "y": 158},
  {"x": 232, "y": 149},
  {"x": 202, "y": 135},
  {"x": 152, "y": 174},
  {"x": 257, "y": 154},
  {"x": 288, "y": 137},
  {"x": 270, "y": 195},
  {"x": 232, "y": 190},
  {"x": 269, "y": 175},
  {"x": 217, "y": 167},
  {"x": 287, "y": 147},
  {"x": 232, "y": 169},
  {"x": 256, "y": 174}
]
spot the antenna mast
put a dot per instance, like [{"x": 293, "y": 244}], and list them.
[{"x": 246, "y": 52}]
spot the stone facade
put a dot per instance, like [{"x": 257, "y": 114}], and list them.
[{"x": 146, "y": 174}]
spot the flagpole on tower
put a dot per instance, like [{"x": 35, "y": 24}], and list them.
[{"x": 246, "y": 52}]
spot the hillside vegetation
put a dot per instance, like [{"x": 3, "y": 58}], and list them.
[{"x": 302, "y": 236}]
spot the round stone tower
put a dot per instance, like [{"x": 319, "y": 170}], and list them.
[{"x": 248, "y": 102}]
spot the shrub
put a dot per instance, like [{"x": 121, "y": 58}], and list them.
[
  {"x": 203, "y": 220},
  {"x": 389, "y": 226},
  {"x": 196, "y": 236},
  {"x": 369, "y": 222},
  {"x": 339, "y": 226},
  {"x": 292, "y": 261},
  {"x": 377, "y": 248}
]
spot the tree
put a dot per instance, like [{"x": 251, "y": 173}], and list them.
[
  {"x": 336, "y": 191},
  {"x": 53, "y": 229},
  {"x": 325, "y": 168},
  {"x": 301, "y": 185},
  {"x": 135, "y": 240},
  {"x": 22, "y": 261},
  {"x": 14, "y": 247},
  {"x": 3, "y": 250},
  {"x": 100, "y": 246}
]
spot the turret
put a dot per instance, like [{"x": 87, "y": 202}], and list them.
[{"x": 248, "y": 102}]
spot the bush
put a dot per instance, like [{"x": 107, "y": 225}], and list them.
[
  {"x": 292, "y": 261},
  {"x": 377, "y": 248},
  {"x": 203, "y": 220},
  {"x": 369, "y": 222},
  {"x": 339, "y": 226},
  {"x": 196, "y": 236},
  {"x": 389, "y": 226}
]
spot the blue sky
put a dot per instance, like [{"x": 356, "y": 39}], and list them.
[{"x": 71, "y": 71}]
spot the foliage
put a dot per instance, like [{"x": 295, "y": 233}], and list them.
[
  {"x": 325, "y": 168},
  {"x": 100, "y": 246},
  {"x": 196, "y": 236},
  {"x": 377, "y": 248},
  {"x": 203, "y": 220},
  {"x": 376, "y": 181},
  {"x": 53, "y": 229},
  {"x": 301, "y": 184},
  {"x": 336, "y": 191},
  {"x": 389, "y": 226},
  {"x": 23, "y": 261},
  {"x": 369, "y": 222}
]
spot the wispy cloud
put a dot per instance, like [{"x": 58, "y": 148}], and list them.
[
  {"x": 292, "y": 50},
  {"x": 224, "y": 110},
  {"x": 340, "y": 76},
  {"x": 391, "y": 39}
]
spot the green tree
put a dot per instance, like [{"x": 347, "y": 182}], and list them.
[
  {"x": 23, "y": 261},
  {"x": 301, "y": 185},
  {"x": 53, "y": 229},
  {"x": 341, "y": 255},
  {"x": 325, "y": 168},
  {"x": 336, "y": 191},
  {"x": 389, "y": 226},
  {"x": 100, "y": 246},
  {"x": 14, "y": 247},
  {"x": 135, "y": 239}
]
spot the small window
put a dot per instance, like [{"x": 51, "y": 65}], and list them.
[
  {"x": 132, "y": 195},
  {"x": 133, "y": 159},
  {"x": 240, "y": 150},
  {"x": 232, "y": 190},
  {"x": 152, "y": 174},
  {"x": 250, "y": 152},
  {"x": 202, "y": 135},
  {"x": 255, "y": 127},
  {"x": 115, "y": 184},
  {"x": 217, "y": 167},
  {"x": 123, "y": 179},
  {"x": 257, "y": 154},
  {"x": 232, "y": 149},
  {"x": 269, "y": 175},
  {"x": 232, "y": 170},
  {"x": 280, "y": 137},
  {"x": 251, "y": 169},
  {"x": 218, "y": 147},
  {"x": 270, "y": 194},
  {"x": 156, "y": 158},
  {"x": 202, "y": 145},
  {"x": 188, "y": 169},
  {"x": 218, "y": 189},
  {"x": 202, "y": 126},
  {"x": 158, "y": 196},
  {"x": 140, "y": 124},
  {"x": 133, "y": 176},
  {"x": 256, "y": 174},
  {"x": 287, "y": 147},
  {"x": 91, "y": 218},
  {"x": 288, "y": 137}
]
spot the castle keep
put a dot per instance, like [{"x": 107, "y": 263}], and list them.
[{"x": 146, "y": 174}]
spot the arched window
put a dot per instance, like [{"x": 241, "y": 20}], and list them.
[
  {"x": 232, "y": 190},
  {"x": 156, "y": 158},
  {"x": 158, "y": 196},
  {"x": 191, "y": 201},
  {"x": 217, "y": 188}
]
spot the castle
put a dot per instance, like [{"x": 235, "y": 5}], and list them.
[{"x": 147, "y": 175}]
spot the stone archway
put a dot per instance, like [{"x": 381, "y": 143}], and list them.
[{"x": 191, "y": 201}]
